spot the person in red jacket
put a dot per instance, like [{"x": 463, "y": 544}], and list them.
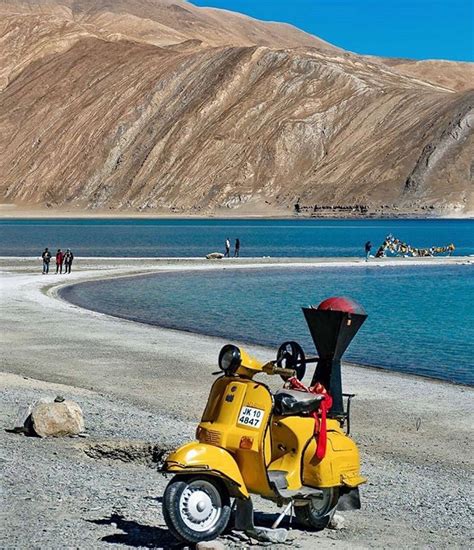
[{"x": 59, "y": 261}]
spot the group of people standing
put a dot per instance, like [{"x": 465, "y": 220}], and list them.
[
  {"x": 62, "y": 259},
  {"x": 236, "y": 248}
]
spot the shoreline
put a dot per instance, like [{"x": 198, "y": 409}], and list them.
[
  {"x": 11, "y": 212},
  {"x": 143, "y": 382},
  {"x": 196, "y": 262},
  {"x": 127, "y": 268},
  {"x": 58, "y": 291},
  {"x": 252, "y": 344},
  {"x": 95, "y": 269}
]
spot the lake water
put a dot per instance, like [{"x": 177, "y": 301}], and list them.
[
  {"x": 198, "y": 237},
  {"x": 421, "y": 320}
]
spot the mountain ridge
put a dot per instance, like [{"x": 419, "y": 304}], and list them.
[{"x": 95, "y": 114}]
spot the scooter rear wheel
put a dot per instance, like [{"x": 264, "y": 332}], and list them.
[
  {"x": 196, "y": 508},
  {"x": 319, "y": 511}
]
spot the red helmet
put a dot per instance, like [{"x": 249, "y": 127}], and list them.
[{"x": 341, "y": 303}]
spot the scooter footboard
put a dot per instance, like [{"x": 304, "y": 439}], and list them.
[{"x": 195, "y": 458}]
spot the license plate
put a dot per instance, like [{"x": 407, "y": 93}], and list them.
[{"x": 251, "y": 417}]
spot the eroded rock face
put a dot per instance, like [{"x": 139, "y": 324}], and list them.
[
  {"x": 57, "y": 419},
  {"x": 161, "y": 106}
]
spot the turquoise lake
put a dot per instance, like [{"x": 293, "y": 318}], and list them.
[
  {"x": 198, "y": 237},
  {"x": 421, "y": 319}
]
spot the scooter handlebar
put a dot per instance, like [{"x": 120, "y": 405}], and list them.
[
  {"x": 272, "y": 368},
  {"x": 287, "y": 373}
]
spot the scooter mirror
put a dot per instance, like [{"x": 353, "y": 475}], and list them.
[{"x": 290, "y": 355}]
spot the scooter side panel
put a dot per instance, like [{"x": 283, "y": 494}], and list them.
[{"x": 340, "y": 466}]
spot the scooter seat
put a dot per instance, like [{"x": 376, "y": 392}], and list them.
[{"x": 294, "y": 402}]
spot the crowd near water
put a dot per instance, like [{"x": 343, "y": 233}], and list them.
[{"x": 63, "y": 259}]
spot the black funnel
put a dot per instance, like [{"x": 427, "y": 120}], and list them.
[{"x": 333, "y": 325}]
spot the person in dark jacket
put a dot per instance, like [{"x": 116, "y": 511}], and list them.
[
  {"x": 68, "y": 258},
  {"x": 237, "y": 248},
  {"x": 46, "y": 259},
  {"x": 59, "y": 261},
  {"x": 368, "y": 248}
]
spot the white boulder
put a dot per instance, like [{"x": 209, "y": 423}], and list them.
[{"x": 57, "y": 419}]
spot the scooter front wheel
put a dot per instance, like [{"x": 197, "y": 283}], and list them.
[
  {"x": 319, "y": 511},
  {"x": 196, "y": 508}
]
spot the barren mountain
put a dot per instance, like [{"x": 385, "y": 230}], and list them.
[
  {"x": 157, "y": 105},
  {"x": 454, "y": 75}
]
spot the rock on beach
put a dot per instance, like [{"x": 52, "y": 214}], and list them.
[{"x": 57, "y": 419}]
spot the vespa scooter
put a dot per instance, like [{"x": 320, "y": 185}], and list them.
[{"x": 289, "y": 446}]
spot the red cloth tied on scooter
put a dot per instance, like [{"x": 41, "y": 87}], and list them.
[{"x": 320, "y": 432}]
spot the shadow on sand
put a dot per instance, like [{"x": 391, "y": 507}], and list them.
[{"x": 135, "y": 534}]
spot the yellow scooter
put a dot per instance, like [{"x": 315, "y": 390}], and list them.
[{"x": 288, "y": 446}]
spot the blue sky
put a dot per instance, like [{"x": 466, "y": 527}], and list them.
[{"x": 417, "y": 29}]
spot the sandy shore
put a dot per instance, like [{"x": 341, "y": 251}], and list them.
[
  {"x": 144, "y": 383},
  {"x": 12, "y": 211}
]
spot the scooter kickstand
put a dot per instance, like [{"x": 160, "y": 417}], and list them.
[
  {"x": 244, "y": 521},
  {"x": 282, "y": 515}
]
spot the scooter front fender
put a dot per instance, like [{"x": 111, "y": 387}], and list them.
[{"x": 197, "y": 457}]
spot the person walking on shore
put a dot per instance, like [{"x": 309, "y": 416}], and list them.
[
  {"x": 227, "y": 248},
  {"x": 59, "y": 261},
  {"x": 237, "y": 248},
  {"x": 68, "y": 258},
  {"x": 46, "y": 259},
  {"x": 368, "y": 248}
]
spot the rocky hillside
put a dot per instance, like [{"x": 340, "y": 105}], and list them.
[
  {"x": 156, "y": 105},
  {"x": 454, "y": 75}
]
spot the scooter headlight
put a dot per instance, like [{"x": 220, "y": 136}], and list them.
[{"x": 229, "y": 359}]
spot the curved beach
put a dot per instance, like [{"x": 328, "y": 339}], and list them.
[{"x": 145, "y": 383}]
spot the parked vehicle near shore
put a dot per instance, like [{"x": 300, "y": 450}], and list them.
[{"x": 289, "y": 447}]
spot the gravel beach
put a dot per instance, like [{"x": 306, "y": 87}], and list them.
[{"x": 142, "y": 389}]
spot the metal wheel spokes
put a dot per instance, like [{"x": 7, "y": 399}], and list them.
[
  {"x": 322, "y": 503},
  {"x": 200, "y": 505}
]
